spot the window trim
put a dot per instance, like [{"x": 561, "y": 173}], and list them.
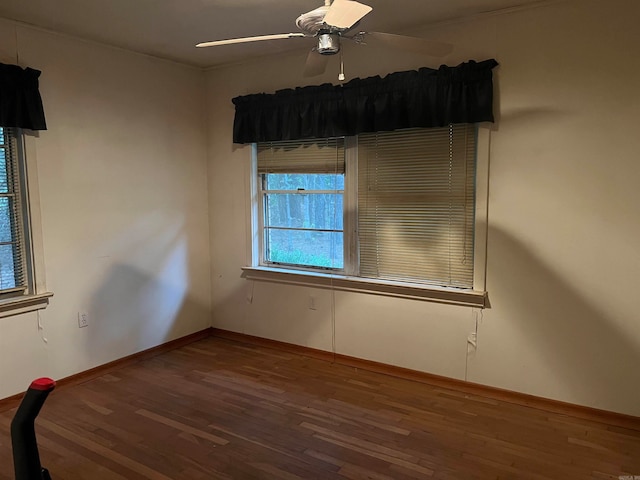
[
  {"x": 483, "y": 150},
  {"x": 24, "y": 304},
  {"x": 37, "y": 297},
  {"x": 413, "y": 291},
  {"x": 349, "y": 281}
]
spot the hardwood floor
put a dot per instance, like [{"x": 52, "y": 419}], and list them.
[{"x": 218, "y": 409}]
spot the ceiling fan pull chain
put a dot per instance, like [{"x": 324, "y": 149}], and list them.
[{"x": 341, "y": 76}]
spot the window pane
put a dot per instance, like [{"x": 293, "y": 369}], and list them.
[
  {"x": 12, "y": 248},
  {"x": 5, "y": 220},
  {"x": 308, "y": 181},
  {"x": 319, "y": 211},
  {"x": 7, "y": 269},
  {"x": 307, "y": 248},
  {"x": 4, "y": 182}
]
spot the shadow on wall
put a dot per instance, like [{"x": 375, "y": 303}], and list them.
[
  {"x": 587, "y": 351},
  {"x": 133, "y": 310},
  {"x": 143, "y": 296}
]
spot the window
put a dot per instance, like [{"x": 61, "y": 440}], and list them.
[
  {"x": 301, "y": 193},
  {"x": 15, "y": 258},
  {"x": 416, "y": 205},
  {"x": 395, "y": 208}
]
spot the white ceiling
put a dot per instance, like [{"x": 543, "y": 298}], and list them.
[{"x": 170, "y": 28}]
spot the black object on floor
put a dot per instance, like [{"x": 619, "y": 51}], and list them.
[{"x": 26, "y": 459}]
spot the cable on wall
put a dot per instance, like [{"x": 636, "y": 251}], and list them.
[
  {"x": 15, "y": 31},
  {"x": 252, "y": 286},
  {"x": 41, "y": 327},
  {"x": 472, "y": 339}
]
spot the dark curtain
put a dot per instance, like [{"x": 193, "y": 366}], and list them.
[
  {"x": 20, "y": 102},
  {"x": 417, "y": 98}
]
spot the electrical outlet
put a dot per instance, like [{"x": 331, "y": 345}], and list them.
[{"x": 83, "y": 319}]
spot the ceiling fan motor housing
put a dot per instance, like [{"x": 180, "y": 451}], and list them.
[{"x": 328, "y": 43}]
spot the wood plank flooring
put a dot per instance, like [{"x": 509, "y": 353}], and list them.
[{"x": 218, "y": 409}]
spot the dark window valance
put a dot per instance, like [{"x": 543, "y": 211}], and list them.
[
  {"x": 417, "y": 98},
  {"x": 20, "y": 102}
]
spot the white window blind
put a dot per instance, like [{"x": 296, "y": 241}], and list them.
[
  {"x": 416, "y": 204},
  {"x": 13, "y": 255},
  {"x": 302, "y": 156}
]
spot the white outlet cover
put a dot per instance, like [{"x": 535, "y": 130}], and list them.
[{"x": 83, "y": 319}]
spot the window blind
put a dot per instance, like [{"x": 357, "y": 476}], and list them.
[
  {"x": 12, "y": 255},
  {"x": 416, "y": 205},
  {"x": 302, "y": 156}
]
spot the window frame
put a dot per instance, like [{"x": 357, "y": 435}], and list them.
[
  {"x": 349, "y": 279},
  {"x": 35, "y": 296}
]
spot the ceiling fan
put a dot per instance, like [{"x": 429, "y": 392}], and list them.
[{"x": 332, "y": 22}]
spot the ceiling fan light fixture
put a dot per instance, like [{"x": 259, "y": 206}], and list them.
[{"x": 328, "y": 43}]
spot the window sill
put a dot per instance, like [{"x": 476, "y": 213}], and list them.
[
  {"x": 469, "y": 298},
  {"x": 24, "y": 304}
]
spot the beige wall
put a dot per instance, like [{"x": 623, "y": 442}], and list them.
[
  {"x": 563, "y": 256},
  {"x": 123, "y": 200}
]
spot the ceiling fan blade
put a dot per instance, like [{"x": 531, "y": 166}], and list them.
[
  {"x": 316, "y": 64},
  {"x": 345, "y": 13},
  {"x": 260, "y": 38},
  {"x": 414, "y": 44}
]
